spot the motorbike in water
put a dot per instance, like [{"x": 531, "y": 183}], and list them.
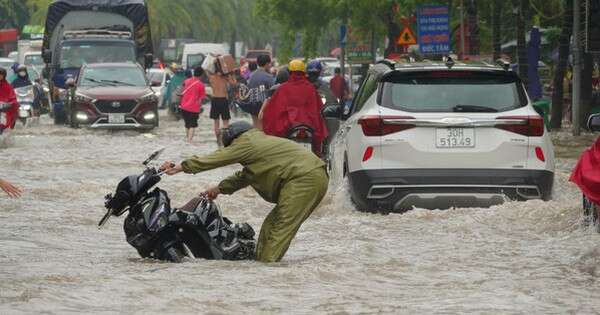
[
  {"x": 586, "y": 176},
  {"x": 156, "y": 230},
  {"x": 25, "y": 98}
]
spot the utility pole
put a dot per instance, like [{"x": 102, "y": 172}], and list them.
[
  {"x": 343, "y": 40},
  {"x": 576, "y": 106},
  {"x": 462, "y": 29}
]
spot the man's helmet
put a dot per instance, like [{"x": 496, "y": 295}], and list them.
[
  {"x": 234, "y": 130},
  {"x": 297, "y": 65},
  {"x": 314, "y": 66}
]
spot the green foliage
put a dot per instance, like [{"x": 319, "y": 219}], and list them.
[{"x": 13, "y": 13}]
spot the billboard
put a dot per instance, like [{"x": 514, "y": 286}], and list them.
[{"x": 433, "y": 26}]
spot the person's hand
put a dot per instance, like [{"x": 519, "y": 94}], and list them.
[
  {"x": 171, "y": 168},
  {"x": 212, "y": 192},
  {"x": 9, "y": 189}
]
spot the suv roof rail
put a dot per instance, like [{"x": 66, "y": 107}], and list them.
[
  {"x": 503, "y": 64},
  {"x": 96, "y": 33},
  {"x": 387, "y": 62}
]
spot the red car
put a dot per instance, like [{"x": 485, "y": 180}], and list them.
[{"x": 114, "y": 96}]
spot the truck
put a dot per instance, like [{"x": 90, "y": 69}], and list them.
[
  {"x": 194, "y": 53},
  {"x": 79, "y": 32}
]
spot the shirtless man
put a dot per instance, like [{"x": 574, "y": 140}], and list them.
[{"x": 219, "y": 109}]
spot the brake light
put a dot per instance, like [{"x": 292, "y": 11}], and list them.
[
  {"x": 540, "y": 154},
  {"x": 368, "y": 154},
  {"x": 373, "y": 126},
  {"x": 530, "y": 126}
]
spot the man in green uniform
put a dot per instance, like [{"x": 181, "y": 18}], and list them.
[{"x": 280, "y": 170}]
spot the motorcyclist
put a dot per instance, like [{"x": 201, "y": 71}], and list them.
[
  {"x": 295, "y": 102},
  {"x": 314, "y": 70},
  {"x": 7, "y": 95},
  {"x": 280, "y": 171},
  {"x": 22, "y": 79}
]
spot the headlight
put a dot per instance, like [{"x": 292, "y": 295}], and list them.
[
  {"x": 148, "y": 98},
  {"x": 149, "y": 116},
  {"x": 81, "y": 98},
  {"x": 157, "y": 93},
  {"x": 25, "y": 107}
]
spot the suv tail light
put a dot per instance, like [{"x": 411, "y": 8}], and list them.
[
  {"x": 373, "y": 126},
  {"x": 530, "y": 126}
]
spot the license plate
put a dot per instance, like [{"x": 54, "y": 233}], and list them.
[
  {"x": 116, "y": 118},
  {"x": 455, "y": 138}
]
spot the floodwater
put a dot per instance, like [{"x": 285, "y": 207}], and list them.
[{"x": 530, "y": 257}]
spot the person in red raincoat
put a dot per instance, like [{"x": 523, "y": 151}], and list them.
[
  {"x": 296, "y": 102},
  {"x": 7, "y": 95},
  {"x": 586, "y": 174}
]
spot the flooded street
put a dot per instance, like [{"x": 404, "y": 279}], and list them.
[{"x": 531, "y": 257}]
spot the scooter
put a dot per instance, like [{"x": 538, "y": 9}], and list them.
[
  {"x": 25, "y": 98},
  {"x": 586, "y": 176},
  {"x": 155, "y": 230}
]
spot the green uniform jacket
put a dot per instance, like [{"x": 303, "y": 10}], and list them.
[{"x": 269, "y": 162}]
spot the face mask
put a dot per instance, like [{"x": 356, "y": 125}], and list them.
[{"x": 22, "y": 73}]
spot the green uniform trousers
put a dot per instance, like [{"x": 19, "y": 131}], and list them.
[{"x": 297, "y": 200}]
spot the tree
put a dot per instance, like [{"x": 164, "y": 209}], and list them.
[
  {"x": 13, "y": 14},
  {"x": 561, "y": 67},
  {"x": 496, "y": 28}
]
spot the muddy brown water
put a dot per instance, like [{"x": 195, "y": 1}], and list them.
[{"x": 528, "y": 257}]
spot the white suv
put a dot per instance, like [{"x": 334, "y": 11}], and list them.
[{"x": 443, "y": 135}]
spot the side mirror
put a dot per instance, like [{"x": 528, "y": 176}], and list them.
[
  {"x": 70, "y": 83},
  {"x": 47, "y": 56},
  {"x": 332, "y": 111},
  {"x": 594, "y": 122},
  {"x": 148, "y": 61}
]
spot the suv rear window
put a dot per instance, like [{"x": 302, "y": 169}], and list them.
[{"x": 453, "y": 91}]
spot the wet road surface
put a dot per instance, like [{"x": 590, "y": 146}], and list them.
[{"x": 530, "y": 257}]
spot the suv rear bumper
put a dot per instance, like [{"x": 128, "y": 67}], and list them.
[{"x": 401, "y": 189}]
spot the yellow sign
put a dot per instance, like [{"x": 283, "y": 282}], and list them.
[{"x": 406, "y": 37}]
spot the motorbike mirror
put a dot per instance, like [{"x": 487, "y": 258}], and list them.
[
  {"x": 105, "y": 218},
  {"x": 594, "y": 122},
  {"x": 153, "y": 156},
  {"x": 332, "y": 111}
]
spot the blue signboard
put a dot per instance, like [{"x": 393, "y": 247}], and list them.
[{"x": 433, "y": 29}]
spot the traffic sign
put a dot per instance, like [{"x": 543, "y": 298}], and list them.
[{"x": 407, "y": 37}]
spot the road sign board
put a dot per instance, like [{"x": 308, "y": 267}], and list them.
[
  {"x": 434, "y": 29},
  {"x": 359, "y": 48},
  {"x": 407, "y": 37}
]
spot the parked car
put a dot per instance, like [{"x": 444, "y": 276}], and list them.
[
  {"x": 437, "y": 136},
  {"x": 158, "y": 81},
  {"x": 112, "y": 95}
]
